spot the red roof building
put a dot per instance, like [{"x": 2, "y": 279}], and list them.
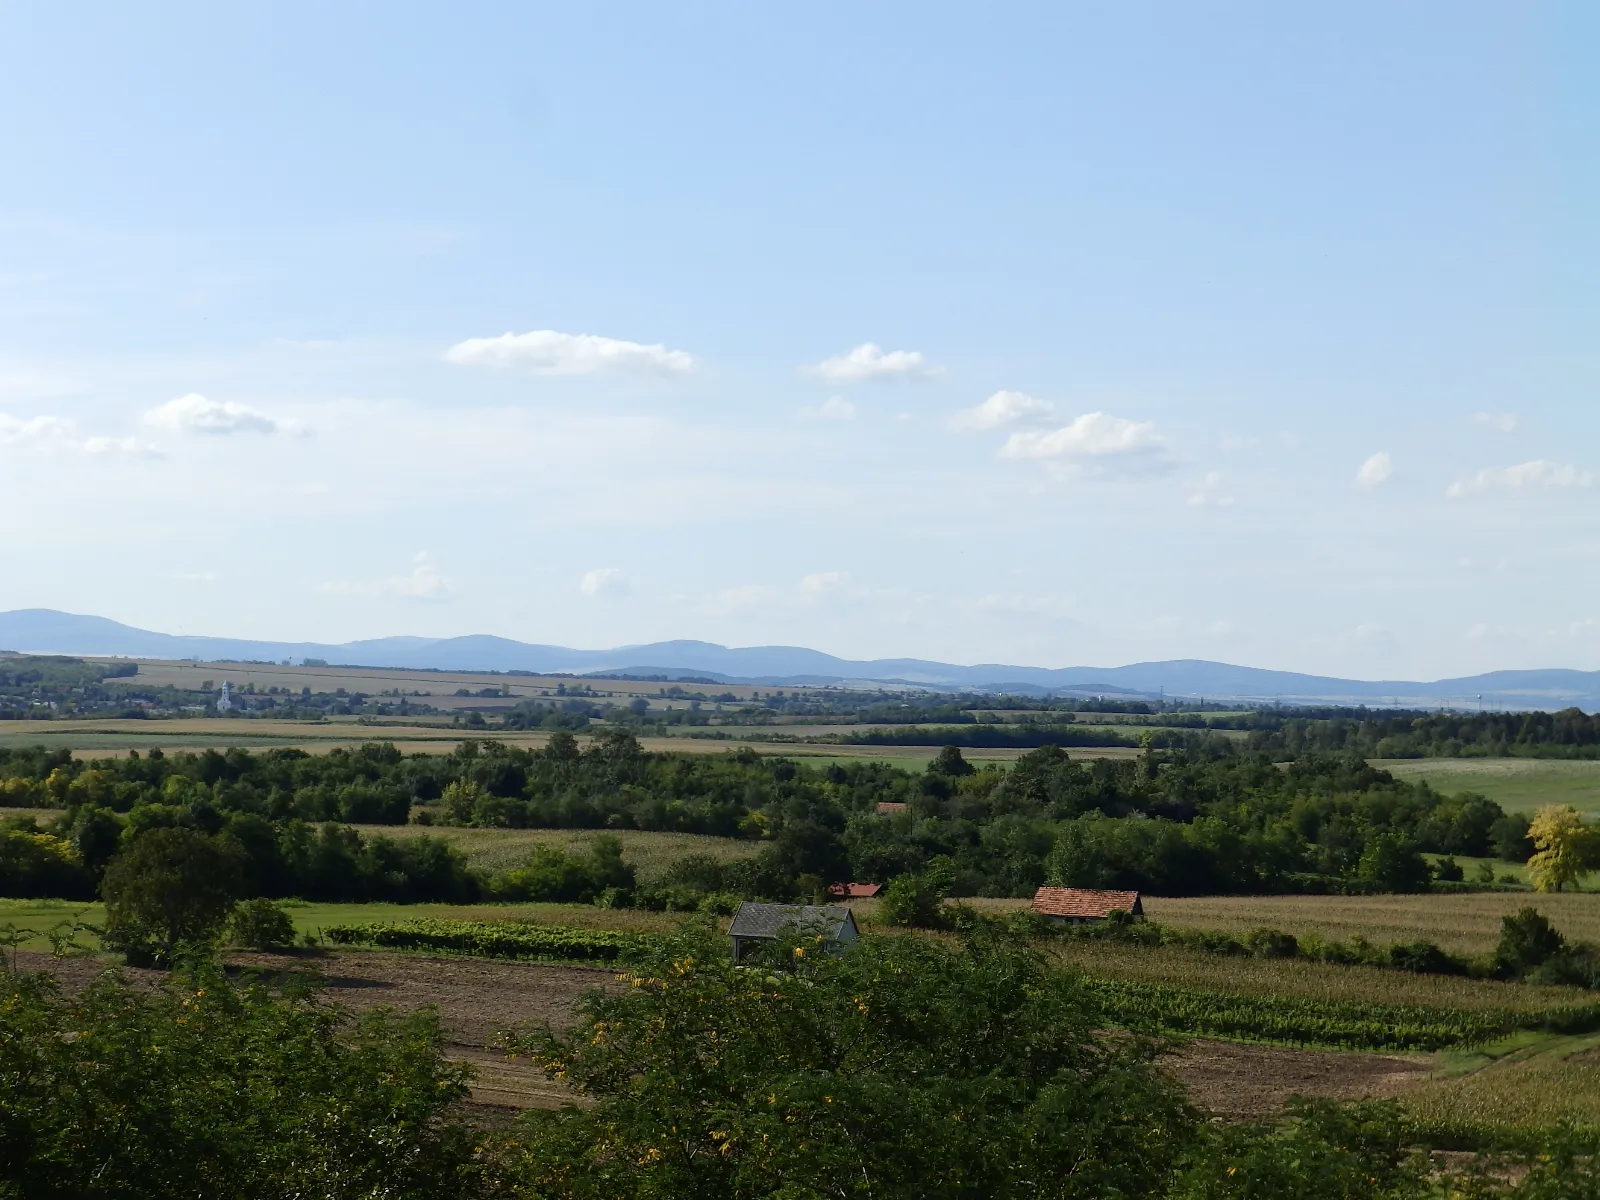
[
  {"x": 1084, "y": 904},
  {"x": 892, "y": 806},
  {"x": 854, "y": 891}
]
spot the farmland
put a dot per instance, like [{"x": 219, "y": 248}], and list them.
[
  {"x": 1516, "y": 784},
  {"x": 1468, "y": 923}
]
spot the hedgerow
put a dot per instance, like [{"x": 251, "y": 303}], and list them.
[{"x": 494, "y": 939}]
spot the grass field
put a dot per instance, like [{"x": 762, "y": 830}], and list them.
[
  {"x": 1516, "y": 784},
  {"x": 496, "y": 849}
]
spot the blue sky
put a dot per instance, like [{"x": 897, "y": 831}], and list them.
[{"x": 1057, "y": 334}]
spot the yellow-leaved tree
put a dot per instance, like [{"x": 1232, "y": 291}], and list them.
[{"x": 1566, "y": 848}]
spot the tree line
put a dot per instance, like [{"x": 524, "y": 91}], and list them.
[{"x": 1198, "y": 819}]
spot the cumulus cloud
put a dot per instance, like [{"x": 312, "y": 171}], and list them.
[
  {"x": 195, "y": 413},
  {"x": 604, "y": 581},
  {"x": 422, "y": 582},
  {"x": 1002, "y": 408},
  {"x": 1375, "y": 471},
  {"x": 1209, "y": 493},
  {"x": 1504, "y": 422},
  {"x": 1523, "y": 477},
  {"x": 834, "y": 408},
  {"x": 869, "y": 361},
  {"x": 1111, "y": 445},
  {"x": 547, "y": 352}
]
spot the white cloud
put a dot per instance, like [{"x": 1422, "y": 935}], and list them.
[
  {"x": 821, "y": 583},
  {"x": 868, "y": 361},
  {"x": 1504, "y": 422},
  {"x": 194, "y": 413},
  {"x": 34, "y": 430},
  {"x": 547, "y": 352},
  {"x": 1109, "y": 444},
  {"x": 55, "y": 434},
  {"x": 1208, "y": 495},
  {"x": 1002, "y": 408},
  {"x": 1536, "y": 474},
  {"x": 604, "y": 581},
  {"x": 126, "y": 445},
  {"x": 834, "y": 408},
  {"x": 423, "y": 582},
  {"x": 1375, "y": 471}
]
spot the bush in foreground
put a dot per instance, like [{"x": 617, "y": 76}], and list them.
[{"x": 203, "y": 1088}]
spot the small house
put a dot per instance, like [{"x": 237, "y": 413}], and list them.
[
  {"x": 754, "y": 923},
  {"x": 854, "y": 891},
  {"x": 890, "y": 807},
  {"x": 1073, "y": 905}
]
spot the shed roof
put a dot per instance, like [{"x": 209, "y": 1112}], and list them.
[
  {"x": 892, "y": 806},
  {"x": 755, "y": 920},
  {"x": 1083, "y": 902},
  {"x": 854, "y": 891}
]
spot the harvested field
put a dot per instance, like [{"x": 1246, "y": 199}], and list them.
[
  {"x": 1233, "y": 1080},
  {"x": 1468, "y": 923}
]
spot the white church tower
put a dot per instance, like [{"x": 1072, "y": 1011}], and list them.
[{"x": 223, "y": 701}]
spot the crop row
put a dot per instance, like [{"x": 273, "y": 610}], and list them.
[
  {"x": 1344, "y": 1024},
  {"x": 494, "y": 939}
]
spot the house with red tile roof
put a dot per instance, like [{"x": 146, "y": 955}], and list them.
[
  {"x": 1084, "y": 904},
  {"x": 886, "y": 807},
  {"x": 854, "y": 891}
]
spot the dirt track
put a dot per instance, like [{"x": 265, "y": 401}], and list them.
[{"x": 477, "y": 999}]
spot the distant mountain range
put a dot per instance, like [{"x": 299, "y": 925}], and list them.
[{"x": 46, "y": 631}]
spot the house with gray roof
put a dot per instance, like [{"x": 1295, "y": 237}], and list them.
[{"x": 754, "y": 923}]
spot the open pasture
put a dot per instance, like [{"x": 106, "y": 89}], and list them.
[
  {"x": 1464, "y": 922},
  {"x": 1516, "y": 784}
]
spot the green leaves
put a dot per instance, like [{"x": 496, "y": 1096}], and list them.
[{"x": 506, "y": 939}]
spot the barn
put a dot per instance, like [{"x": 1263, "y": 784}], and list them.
[
  {"x": 755, "y": 923},
  {"x": 1073, "y": 905}
]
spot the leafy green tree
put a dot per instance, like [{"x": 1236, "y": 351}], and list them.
[
  {"x": 1393, "y": 864},
  {"x": 916, "y": 899},
  {"x": 172, "y": 888},
  {"x": 949, "y": 761},
  {"x": 900, "y": 1068},
  {"x": 203, "y": 1088}
]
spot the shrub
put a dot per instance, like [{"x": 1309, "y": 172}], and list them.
[
  {"x": 915, "y": 899},
  {"x": 261, "y": 925},
  {"x": 1271, "y": 943},
  {"x": 1526, "y": 941}
]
